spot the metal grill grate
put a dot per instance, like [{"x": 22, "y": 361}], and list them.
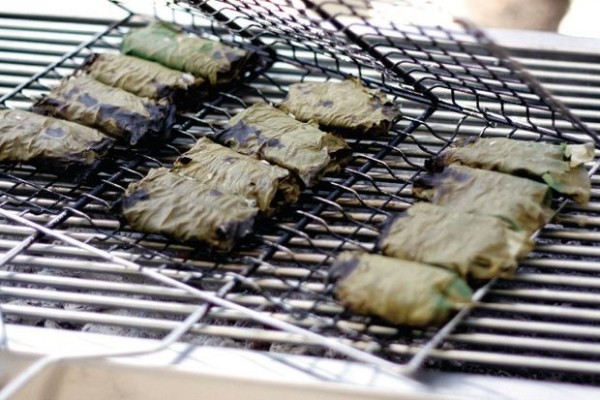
[
  {"x": 451, "y": 65},
  {"x": 546, "y": 319}
]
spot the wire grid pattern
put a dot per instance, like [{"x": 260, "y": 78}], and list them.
[
  {"x": 61, "y": 203},
  {"x": 280, "y": 270},
  {"x": 453, "y": 66}
]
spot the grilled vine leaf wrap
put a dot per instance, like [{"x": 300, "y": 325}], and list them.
[
  {"x": 268, "y": 186},
  {"x": 523, "y": 203},
  {"x": 29, "y": 137},
  {"x": 167, "y": 203},
  {"x": 114, "y": 111},
  {"x": 346, "y": 106},
  {"x": 170, "y": 46},
  {"x": 399, "y": 291},
  {"x": 559, "y": 166},
  {"x": 270, "y": 134},
  {"x": 474, "y": 245},
  {"x": 144, "y": 78}
]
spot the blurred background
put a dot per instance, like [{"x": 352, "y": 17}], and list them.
[{"x": 568, "y": 17}]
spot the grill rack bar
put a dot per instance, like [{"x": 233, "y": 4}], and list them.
[
  {"x": 495, "y": 50},
  {"x": 182, "y": 328},
  {"x": 292, "y": 251},
  {"x": 48, "y": 228},
  {"x": 64, "y": 58},
  {"x": 532, "y": 83}
]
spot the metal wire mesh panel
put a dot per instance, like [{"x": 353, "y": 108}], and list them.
[
  {"x": 415, "y": 50},
  {"x": 279, "y": 271}
]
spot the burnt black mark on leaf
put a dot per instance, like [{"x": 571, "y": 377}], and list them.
[
  {"x": 103, "y": 145},
  {"x": 456, "y": 175},
  {"x": 229, "y": 160},
  {"x": 376, "y": 103},
  {"x": 242, "y": 134},
  {"x": 218, "y": 55},
  {"x": 134, "y": 125},
  {"x": 168, "y": 91},
  {"x": 422, "y": 186},
  {"x": 55, "y": 132},
  {"x": 67, "y": 94},
  {"x": 442, "y": 183},
  {"x": 441, "y": 177},
  {"x": 235, "y": 228},
  {"x": 134, "y": 198},
  {"x": 342, "y": 269},
  {"x": 75, "y": 98},
  {"x": 325, "y": 103},
  {"x": 272, "y": 143},
  {"x": 438, "y": 163},
  {"x": 87, "y": 100},
  {"x": 304, "y": 88},
  {"x": 391, "y": 111},
  {"x": 184, "y": 160}
]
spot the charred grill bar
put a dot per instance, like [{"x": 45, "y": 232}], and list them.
[{"x": 543, "y": 323}]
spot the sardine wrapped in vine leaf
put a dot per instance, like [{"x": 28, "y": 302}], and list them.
[
  {"x": 182, "y": 208},
  {"x": 524, "y": 204},
  {"x": 401, "y": 292},
  {"x": 559, "y": 166},
  {"x": 32, "y": 138},
  {"x": 268, "y": 186},
  {"x": 342, "y": 106},
  {"x": 145, "y": 78},
  {"x": 472, "y": 245},
  {"x": 114, "y": 111},
  {"x": 170, "y": 46},
  {"x": 272, "y": 135}
]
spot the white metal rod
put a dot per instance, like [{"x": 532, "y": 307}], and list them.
[{"x": 312, "y": 337}]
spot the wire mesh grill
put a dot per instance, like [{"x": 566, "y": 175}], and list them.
[
  {"x": 452, "y": 65},
  {"x": 280, "y": 270}
]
